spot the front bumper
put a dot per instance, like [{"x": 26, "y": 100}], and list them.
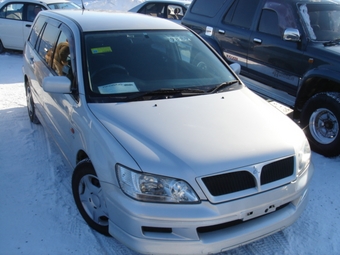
[{"x": 152, "y": 228}]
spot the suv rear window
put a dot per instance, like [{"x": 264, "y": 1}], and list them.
[
  {"x": 207, "y": 8},
  {"x": 241, "y": 13}
]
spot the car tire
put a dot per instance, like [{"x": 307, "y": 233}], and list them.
[
  {"x": 89, "y": 198},
  {"x": 30, "y": 105},
  {"x": 320, "y": 119},
  {"x": 2, "y": 48}
]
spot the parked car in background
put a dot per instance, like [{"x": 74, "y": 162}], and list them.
[
  {"x": 173, "y": 10},
  {"x": 171, "y": 153},
  {"x": 16, "y": 17},
  {"x": 292, "y": 47}
]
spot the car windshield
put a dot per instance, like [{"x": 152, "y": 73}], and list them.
[
  {"x": 124, "y": 65},
  {"x": 322, "y": 21},
  {"x": 63, "y": 5}
]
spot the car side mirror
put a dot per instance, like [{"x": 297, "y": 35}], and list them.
[
  {"x": 236, "y": 68},
  {"x": 292, "y": 34},
  {"x": 57, "y": 84}
]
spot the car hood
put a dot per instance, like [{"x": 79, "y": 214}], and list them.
[{"x": 201, "y": 134}]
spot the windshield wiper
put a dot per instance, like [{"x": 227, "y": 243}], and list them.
[
  {"x": 332, "y": 43},
  {"x": 223, "y": 85},
  {"x": 166, "y": 93}
]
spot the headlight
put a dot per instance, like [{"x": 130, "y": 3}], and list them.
[
  {"x": 303, "y": 158},
  {"x": 154, "y": 188}
]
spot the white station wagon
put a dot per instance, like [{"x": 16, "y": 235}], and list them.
[
  {"x": 171, "y": 153},
  {"x": 16, "y": 17}
]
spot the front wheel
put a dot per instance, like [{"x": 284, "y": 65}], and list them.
[
  {"x": 320, "y": 119},
  {"x": 89, "y": 198}
]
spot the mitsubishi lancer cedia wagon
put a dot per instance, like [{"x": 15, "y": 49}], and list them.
[{"x": 170, "y": 152}]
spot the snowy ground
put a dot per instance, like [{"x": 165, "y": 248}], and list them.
[{"x": 38, "y": 215}]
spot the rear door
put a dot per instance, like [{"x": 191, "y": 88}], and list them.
[
  {"x": 11, "y": 26},
  {"x": 234, "y": 30}
]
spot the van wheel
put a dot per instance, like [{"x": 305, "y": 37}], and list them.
[
  {"x": 320, "y": 119},
  {"x": 89, "y": 198},
  {"x": 30, "y": 105}
]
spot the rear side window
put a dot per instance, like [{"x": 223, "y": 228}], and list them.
[
  {"x": 208, "y": 8},
  {"x": 241, "y": 13},
  {"x": 12, "y": 11},
  {"x": 48, "y": 41},
  {"x": 33, "y": 10},
  {"x": 38, "y": 25},
  {"x": 269, "y": 23}
]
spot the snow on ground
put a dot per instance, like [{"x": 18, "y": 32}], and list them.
[{"x": 38, "y": 214}]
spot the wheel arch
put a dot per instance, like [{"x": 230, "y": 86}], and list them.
[
  {"x": 314, "y": 82},
  {"x": 81, "y": 155}
]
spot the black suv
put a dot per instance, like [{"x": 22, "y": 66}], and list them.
[{"x": 290, "y": 46}]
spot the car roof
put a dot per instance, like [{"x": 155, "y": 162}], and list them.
[{"x": 100, "y": 20}]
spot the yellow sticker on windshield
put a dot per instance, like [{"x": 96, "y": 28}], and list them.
[{"x": 101, "y": 50}]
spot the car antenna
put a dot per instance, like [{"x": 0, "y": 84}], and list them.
[{"x": 82, "y": 5}]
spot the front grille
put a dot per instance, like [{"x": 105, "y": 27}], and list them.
[
  {"x": 277, "y": 170},
  {"x": 228, "y": 183}
]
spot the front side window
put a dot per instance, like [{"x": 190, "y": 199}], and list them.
[
  {"x": 124, "y": 65},
  {"x": 12, "y": 11},
  {"x": 61, "y": 57}
]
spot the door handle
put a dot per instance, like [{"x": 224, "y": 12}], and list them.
[
  {"x": 28, "y": 25},
  {"x": 257, "y": 40},
  {"x": 220, "y": 31}
]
